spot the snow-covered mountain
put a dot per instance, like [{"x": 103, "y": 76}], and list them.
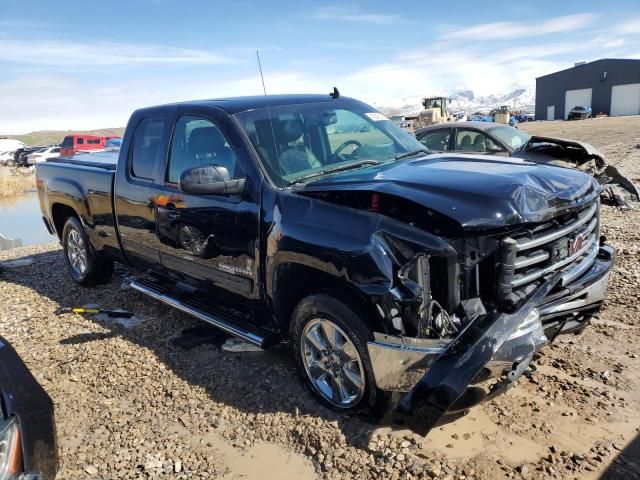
[{"x": 466, "y": 101}]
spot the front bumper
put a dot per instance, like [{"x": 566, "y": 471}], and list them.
[{"x": 436, "y": 376}]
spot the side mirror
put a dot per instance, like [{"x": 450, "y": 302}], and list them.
[{"x": 210, "y": 179}]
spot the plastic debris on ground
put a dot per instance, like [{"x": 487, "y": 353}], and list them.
[{"x": 236, "y": 345}]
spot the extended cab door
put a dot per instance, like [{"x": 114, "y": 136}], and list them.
[
  {"x": 135, "y": 190},
  {"x": 209, "y": 238}
]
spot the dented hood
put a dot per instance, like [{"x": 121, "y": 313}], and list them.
[{"x": 478, "y": 192}]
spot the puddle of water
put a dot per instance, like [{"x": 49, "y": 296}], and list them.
[
  {"x": 265, "y": 461},
  {"x": 20, "y": 218}
]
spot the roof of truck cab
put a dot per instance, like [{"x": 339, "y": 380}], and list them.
[{"x": 234, "y": 105}]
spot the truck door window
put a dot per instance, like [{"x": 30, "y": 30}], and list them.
[
  {"x": 146, "y": 144},
  {"x": 80, "y": 141},
  {"x": 196, "y": 142},
  {"x": 437, "y": 140}
]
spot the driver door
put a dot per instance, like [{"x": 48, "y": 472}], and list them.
[{"x": 206, "y": 237}]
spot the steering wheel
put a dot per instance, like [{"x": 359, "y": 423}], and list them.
[{"x": 344, "y": 145}]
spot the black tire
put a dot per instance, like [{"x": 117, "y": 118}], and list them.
[
  {"x": 373, "y": 402},
  {"x": 97, "y": 270}
]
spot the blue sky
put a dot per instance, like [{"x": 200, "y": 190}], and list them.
[{"x": 73, "y": 64}]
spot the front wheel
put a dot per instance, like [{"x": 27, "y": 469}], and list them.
[
  {"x": 330, "y": 345},
  {"x": 86, "y": 267}
]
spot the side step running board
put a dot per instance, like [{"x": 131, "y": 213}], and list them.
[{"x": 245, "y": 334}]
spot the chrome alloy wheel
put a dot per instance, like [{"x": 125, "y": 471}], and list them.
[
  {"x": 76, "y": 252},
  {"x": 332, "y": 363}
]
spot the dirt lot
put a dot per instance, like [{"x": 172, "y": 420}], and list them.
[{"x": 130, "y": 404}]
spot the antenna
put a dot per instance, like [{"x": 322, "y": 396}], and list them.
[{"x": 266, "y": 101}]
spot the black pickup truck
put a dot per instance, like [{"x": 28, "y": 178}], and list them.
[{"x": 403, "y": 279}]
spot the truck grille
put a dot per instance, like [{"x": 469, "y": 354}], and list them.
[{"x": 568, "y": 242}]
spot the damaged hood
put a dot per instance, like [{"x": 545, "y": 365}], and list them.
[{"x": 478, "y": 192}]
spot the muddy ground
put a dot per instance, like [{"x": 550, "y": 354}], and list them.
[{"x": 130, "y": 404}]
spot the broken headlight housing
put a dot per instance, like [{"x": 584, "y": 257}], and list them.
[{"x": 10, "y": 450}]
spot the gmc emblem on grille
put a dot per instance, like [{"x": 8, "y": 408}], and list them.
[{"x": 577, "y": 243}]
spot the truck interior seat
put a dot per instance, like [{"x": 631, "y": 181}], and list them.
[{"x": 295, "y": 156}]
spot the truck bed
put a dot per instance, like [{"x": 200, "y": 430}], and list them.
[
  {"x": 83, "y": 183},
  {"x": 107, "y": 160}
]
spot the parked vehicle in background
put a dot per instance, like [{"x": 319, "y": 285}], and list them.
[
  {"x": 7, "y": 148},
  {"x": 480, "y": 138},
  {"x": 579, "y": 113},
  {"x": 23, "y": 156},
  {"x": 10, "y": 145},
  {"x": 42, "y": 154},
  {"x": 434, "y": 112},
  {"x": 6, "y": 158},
  {"x": 113, "y": 144},
  {"x": 402, "y": 279},
  {"x": 72, "y": 144},
  {"x": 28, "y": 447}
]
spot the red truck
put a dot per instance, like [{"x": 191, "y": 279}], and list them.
[{"x": 73, "y": 144}]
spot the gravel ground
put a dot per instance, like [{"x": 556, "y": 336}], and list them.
[{"x": 130, "y": 404}]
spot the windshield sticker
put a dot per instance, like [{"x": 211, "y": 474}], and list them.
[{"x": 376, "y": 117}]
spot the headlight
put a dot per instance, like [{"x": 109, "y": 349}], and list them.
[{"x": 10, "y": 450}]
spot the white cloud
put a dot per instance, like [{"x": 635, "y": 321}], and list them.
[
  {"x": 61, "y": 102},
  {"x": 352, "y": 15},
  {"x": 86, "y": 54},
  {"x": 502, "y": 30},
  {"x": 629, "y": 27}
]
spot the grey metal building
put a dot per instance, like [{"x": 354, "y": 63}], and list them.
[{"x": 608, "y": 85}]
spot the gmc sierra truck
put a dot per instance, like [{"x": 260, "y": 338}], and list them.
[{"x": 404, "y": 280}]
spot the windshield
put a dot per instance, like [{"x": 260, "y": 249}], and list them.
[
  {"x": 310, "y": 139},
  {"x": 512, "y": 137}
]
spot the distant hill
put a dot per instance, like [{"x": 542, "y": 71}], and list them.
[{"x": 49, "y": 137}]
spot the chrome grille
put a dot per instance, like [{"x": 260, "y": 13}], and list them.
[{"x": 567, "y": 242}]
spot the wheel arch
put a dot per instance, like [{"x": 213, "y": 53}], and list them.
[
  {"x": 293, "y": 282},
  {"x": 60, "y": 213}
]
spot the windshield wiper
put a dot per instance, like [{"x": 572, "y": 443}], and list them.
[
  {"x": 341, "y": 168},
  {"x": 412, "y": 153}
]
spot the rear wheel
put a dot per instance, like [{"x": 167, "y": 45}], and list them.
[
  {"x": 86, "y": 267},
  {"x": 330, "y": 345}
]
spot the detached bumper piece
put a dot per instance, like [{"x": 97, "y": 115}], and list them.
[{"x": 519, "y": 333}]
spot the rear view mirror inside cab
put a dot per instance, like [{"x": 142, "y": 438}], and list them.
[{"x": 327, "y": 117}]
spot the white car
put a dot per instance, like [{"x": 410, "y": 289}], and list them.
[
  {"x": 6, "y": 158},
  {"x": 43, "y": 154}
]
